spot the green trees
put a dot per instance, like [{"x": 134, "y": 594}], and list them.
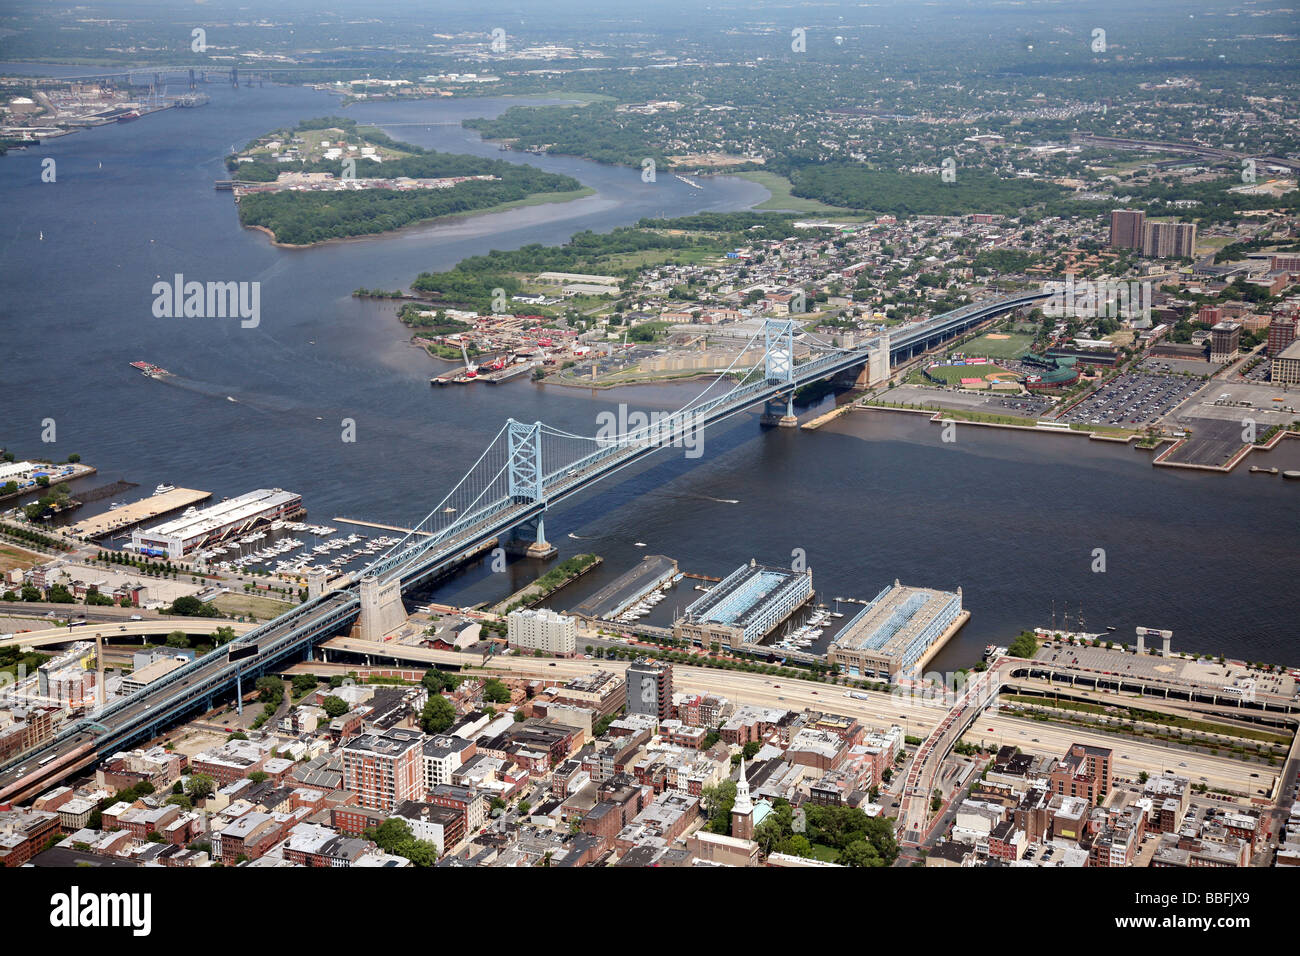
[
  {"x": 270, "y": 690},
  {"x": 302, "y": 683},
  {"x": 1026, "y": 645},
  {"x": 436, "y": 681},
  {"x": 495, "y": 691},
  {"x": 394, "y": 836},
  {"x": 856, "y": 186},
  {"x": 334, "y": 706},
  {"x": 300, "y": 218},
  {"x": 201, "y": 786},
  {"x": 844, "y": 834},
  {"x": 59, "y": 594},
  {"x": 718, "y": 801},
  {"x": 438, "y": 715},
  {"x": 189, "y": 606}
]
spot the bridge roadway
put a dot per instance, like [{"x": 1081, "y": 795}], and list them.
[
  {"x": 195, "y": 626},
  {"x": 195, "y": 686}
]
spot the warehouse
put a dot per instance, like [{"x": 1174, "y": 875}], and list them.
[
  {"x": 745, "y": 606},
  {"x": 897, "y": 632},
  {"x": 197, "y": 528}
]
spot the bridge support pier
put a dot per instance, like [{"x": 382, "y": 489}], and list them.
[
  {"x": 316, "y": 584},
  {"x": 239, "y": 694},
  {"x": 779, "y": 414},
  {"x": 382, "y": 611},
  {"x": 529, "y": 540}
]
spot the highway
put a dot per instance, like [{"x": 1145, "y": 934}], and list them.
[
  {"x": 198, "y": 626},
  {"x": 1131, "y": 757},
  {"x": 491, "y": 511},
  {"x": 918, "y": 718},
  {"x": 879, "y": 710}
]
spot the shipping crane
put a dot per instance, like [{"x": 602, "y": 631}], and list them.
[{"x": 471, "y": 369}]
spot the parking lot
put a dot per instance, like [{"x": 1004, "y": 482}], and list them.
[
  {"x": 1028, "y": 405},
  {"x": 1172, "y": 366},
  {"x": 1031, "y": 407},
  {"x": 1134, "y": 398}
]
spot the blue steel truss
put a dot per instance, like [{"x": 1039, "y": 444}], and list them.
[{"x": 523, "y": 470}]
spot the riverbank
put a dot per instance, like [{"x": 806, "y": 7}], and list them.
[
  {"x": 536, "y": 199},
  {"x": 549, "y": 583}
]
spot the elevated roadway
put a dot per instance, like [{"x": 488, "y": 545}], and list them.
[
  {"x": 492, "y": 513},
  {"x": 194, "y": 626}
]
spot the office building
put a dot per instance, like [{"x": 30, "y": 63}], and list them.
[
  {"x": 1286, "y": 365},
  {"x": 1225, "y": 339},
  {"x": 1281, "y": 332},
  {"x": 1083, "y": 772}
]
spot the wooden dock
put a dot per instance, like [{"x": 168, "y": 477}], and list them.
[
  {"x": 127, "y": 516},
  {"x": 382, "y": 527}
]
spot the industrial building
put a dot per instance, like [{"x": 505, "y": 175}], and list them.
[
  {"x": 745, "y": 606},
  {"x": 893, "y": 635},
  {"x": 197, "y": 528}
]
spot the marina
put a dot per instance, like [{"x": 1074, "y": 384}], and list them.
[{"x": 632, "y": 595}]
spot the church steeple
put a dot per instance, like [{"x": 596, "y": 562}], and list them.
[{"x": 744, "y": 805}]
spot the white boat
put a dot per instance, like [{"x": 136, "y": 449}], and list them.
[{"x": 164, "y": 488}]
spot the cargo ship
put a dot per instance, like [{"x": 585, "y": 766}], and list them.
[{"x": 149, "y": 370}]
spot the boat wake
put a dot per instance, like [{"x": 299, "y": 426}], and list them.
[{"x": 694, "y": 497}]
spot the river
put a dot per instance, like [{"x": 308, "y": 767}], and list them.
[{"x": 1012, "y": 519}]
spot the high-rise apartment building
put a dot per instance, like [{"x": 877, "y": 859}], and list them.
[
  {"x": 542, "y": 630},
  {"x": 384, "y": 769},
  {"x": 1126, "y": 228},
  {"x": 1169, "y": 240},
  {"x": 650, "y": 688}
]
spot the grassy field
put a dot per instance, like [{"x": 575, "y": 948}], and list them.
[
  {"x": 242, "y": 605},
  {"x": 1012, "y": 346},
  {"x": 12, "y": 556},
  {"x": 782, "y": 199},
  {"x": 536, "y": 199},
  {"x": 953, "y": 374}
]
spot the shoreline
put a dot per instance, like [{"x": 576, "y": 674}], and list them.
[{"x": 537, "y": 199}]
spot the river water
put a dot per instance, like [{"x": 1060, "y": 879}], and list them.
[{"x": 1012, "y": 519}]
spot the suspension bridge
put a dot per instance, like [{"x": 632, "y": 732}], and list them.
[{"x": 525, "y": 469}]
